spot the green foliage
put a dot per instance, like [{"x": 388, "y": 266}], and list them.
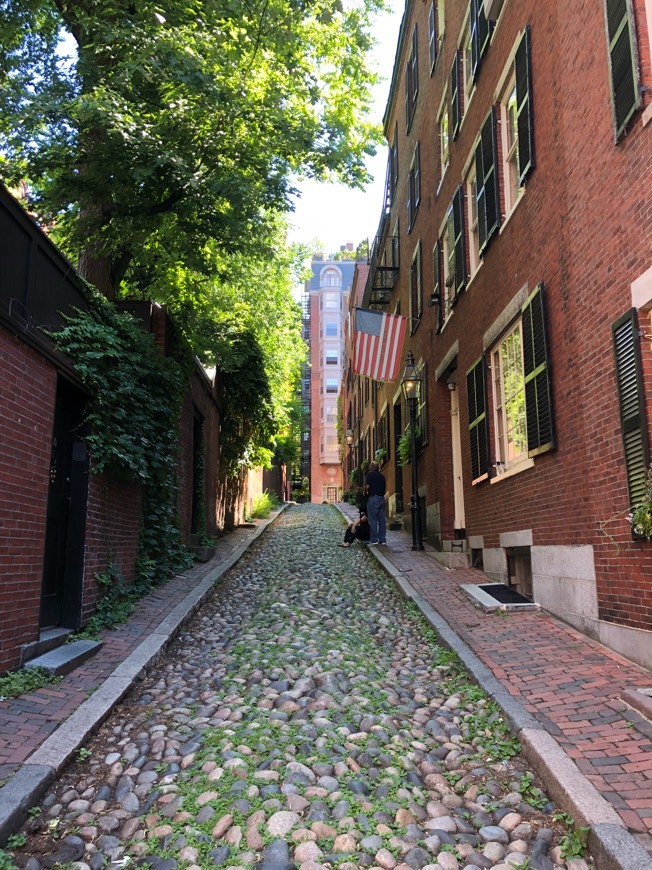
[
  {"x": 641, "y": 516},
  {"x": 6, "y": 861},
  {"x": 17, "y": 683},
  {"x": 84, "y": 753},
  {"x": 355, "y": 476},
  {"x": 118, "y": 599},
  {"x": 264, "y": 504},
  {"x": 17, "y": 841},
  {"x": 133, "y": 416},
  {"x": 531, "y": 794},
  {"x": 574, "y": 842},
  {"x": 195, "y": 120},
  {"x": 404, "y": 445}
]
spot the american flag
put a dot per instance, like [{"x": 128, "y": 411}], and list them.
[{"x": 378, "y": 343}]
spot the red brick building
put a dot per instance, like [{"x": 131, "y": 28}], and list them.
[
  {"x": 517, "y": 237},
  {"x": 60, "y": 525}
]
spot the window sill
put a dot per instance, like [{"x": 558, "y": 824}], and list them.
[
  {"x": 441, "y": 180},
  {"x": 512, "y": 470},
  {"x": 508, "y": 217},
  {"x": 471, "y": 279}
]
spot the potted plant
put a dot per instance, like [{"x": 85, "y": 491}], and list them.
[{"x": 381, "y": 456}]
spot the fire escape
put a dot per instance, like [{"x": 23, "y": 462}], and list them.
[{"x": 383, "y": 260}]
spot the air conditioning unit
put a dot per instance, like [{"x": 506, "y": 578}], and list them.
[{"x": 492, "y": 9}]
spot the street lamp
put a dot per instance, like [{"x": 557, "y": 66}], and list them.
[
  {"x": 411, "y": 384},
  {"x": 349, "y": 444}
]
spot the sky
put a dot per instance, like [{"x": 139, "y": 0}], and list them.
[{"x": 333, "y": 213}]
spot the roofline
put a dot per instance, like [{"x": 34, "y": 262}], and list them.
[{"x": 395, "y": 71}]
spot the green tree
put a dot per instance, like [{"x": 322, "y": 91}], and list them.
[{"x": 188, "y": 119}]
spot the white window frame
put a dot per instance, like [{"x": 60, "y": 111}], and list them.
[
  {"x": 509, "y": 143},
  {"x": 473, "y": 241},
  {"x": 416, "y": 264},
  {"x": 507, "y": 431},
  {"x": 444, "y": 137}
]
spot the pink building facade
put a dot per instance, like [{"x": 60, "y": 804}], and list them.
[{"x": 328, "y": 292}]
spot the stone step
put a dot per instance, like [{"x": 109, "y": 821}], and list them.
[
  {"x": 66, "y": 658},
  {"x": 49, "y": 638},
  {"x": 453, "y": 559}
]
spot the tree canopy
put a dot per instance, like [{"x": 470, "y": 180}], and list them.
[{"x": 191, "y": 117}]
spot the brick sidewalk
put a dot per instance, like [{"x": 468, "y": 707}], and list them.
[
  {"x": 27, "y": 721},
  {"x": 569, "y": 683}
]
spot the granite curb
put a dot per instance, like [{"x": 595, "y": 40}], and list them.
[
  {"x": 28, "y": 784},
  {"x": 611, "y": 845}
]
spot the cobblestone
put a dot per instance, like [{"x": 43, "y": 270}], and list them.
[{"x": 304, "y": 717}]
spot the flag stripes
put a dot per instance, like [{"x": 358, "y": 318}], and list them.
[{"x": 378, "y": 342}]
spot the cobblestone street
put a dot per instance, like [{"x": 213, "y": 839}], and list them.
[{"x": 305, "y": 718}]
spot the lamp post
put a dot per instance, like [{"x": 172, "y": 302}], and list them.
[
  {"x": 349, "y": 444},
  {"x": 411, "y": 384}
]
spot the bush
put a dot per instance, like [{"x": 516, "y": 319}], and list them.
[{"x": 263, "y": 505}]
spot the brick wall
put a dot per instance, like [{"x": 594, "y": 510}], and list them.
[
  {"x": 27, "y": 393},
  {"x": 583, "y": 227},
  {"x": 113, "y": 521}
]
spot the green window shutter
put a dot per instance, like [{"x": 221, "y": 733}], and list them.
[
  {"x": 536, "y": 370},
  {"x": 524, "y": 107},
  {"x": 623, "y": 63},
  {"x": 488, "y": 203},
  {"x": 629, "y": 377},
  {"x": 460, "y": 247},
  {"x": 456, "y": 96},
  {"x": 478, "y": 424}
]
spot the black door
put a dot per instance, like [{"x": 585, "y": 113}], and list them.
[
  {"x": 398, "y": 469},
  {"x": 66, "y": 513}
]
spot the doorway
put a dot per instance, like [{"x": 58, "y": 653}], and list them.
[
  {"x": 456, "y": 447},
  {"x": 398, "y": 468},
  {"x": 63, "y": 563}
]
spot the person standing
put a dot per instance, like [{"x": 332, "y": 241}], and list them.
[{"x": 375, "y": 487}]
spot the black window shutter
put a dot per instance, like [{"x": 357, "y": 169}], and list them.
[
  {"x": 436, "y": 297},
  {"x": 408, "y": 97},
  {"x": 480, "y": 34},
  {"x": 524, "y": 106},
  {"x": 486, "y": 157},
  {"x": 417, "y": 176},
  {"x": 629, "y": 377},
  {"x": 478, "y": 425},
  {"x": 456, "y": 96},
  {"x": 415, "y": 64},
  {"x": 621, "y": 38},
  {"x": 484, "y": 29},
  {"x": 536, "y": 370},
  {"x": 460, "y": 247},
  {"x": 432, "y": 35},
  {"x": 410, "y": 203},
  {"x": 473, "y": 21}
]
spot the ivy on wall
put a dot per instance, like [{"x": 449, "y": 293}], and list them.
[{"x": 133, "y": 413}]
